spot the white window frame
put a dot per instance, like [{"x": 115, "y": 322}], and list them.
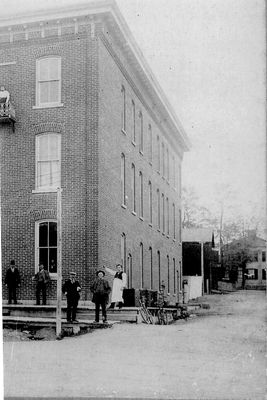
[
  {"x": 48, "y": 188},
  {"x": 58, "y": 103},
  {"x": 36, "y": 244},
  {"x": 123, "y": 179}
]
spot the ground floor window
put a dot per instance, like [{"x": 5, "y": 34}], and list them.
[
  {"x": 264, "y": 274},
  {"x": 46, "y": 245},
  {"x": 251, "y": 273}
]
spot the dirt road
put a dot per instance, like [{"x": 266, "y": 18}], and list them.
[{"x": 216, "y": 355}]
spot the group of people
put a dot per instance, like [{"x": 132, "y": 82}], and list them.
[
  {"x": 12, "y": 282},
  {"x": 100, "y": 288}
]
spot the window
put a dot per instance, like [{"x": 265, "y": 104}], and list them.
[
  {"x": 151, "y": 268},
  {"x": 251, "y": 273},
  {"x": 159, "y": 270},
  {"x": 158, "y": 146},
  {"x": 123, "y": 250},
  {"x": 168, "y": 274},
  {"x": 123, "y": 186},
  {"x": 163, "y": 213},
  {"x": 46, "y": 245},
  {"x": 48, "y": 161},
  {"x": 180, "y": 226},
  {"x": 264, "y": 274},
  {"x": 168, "y": 165},
  {"x": 130, "y": 271},
  {"x": 141, "y": 252},
  {"x": 255, "y": 256},
  {"x": 158, "y": 200},
  {"x": 150, "y": 143},
  {"x": 168, "y": 215},
  {"x": 48, "y": 81},
  {"x": 263, "y": 258},
  {"x": 179, "y": 180},
  {"x": 174, "y": 172},
  {"x": 163, "y": 160},
  {"x": 123, "y": 109},
  {"x": 141, "y": 133},
  {"x": 150, "y": 201},
  {"x": 141, "y": 195},
  {"x": 174, "y": 227},
  {"x": 174, "y": 276},
  {"x": 133, "y": 123},
  {"x": 133, "y": 189}
]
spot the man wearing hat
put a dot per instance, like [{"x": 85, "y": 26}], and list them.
[
  {"x": 71, "y": 289},
  {"x": 12, "y": 280},
  {"x": 100, "y": 289}
]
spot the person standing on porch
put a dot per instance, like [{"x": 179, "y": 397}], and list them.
[
  {"x": 119, "y": 283},
  {"x": 71, "y": 289},
  {"x": 43, "y": 278},
  {"x": 100, "y": 289},
  {"x": 12, "y": 281}
]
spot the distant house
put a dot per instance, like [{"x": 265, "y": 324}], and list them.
[
  {"x": 199, "y": 261},
  {"x": 245, "y": 261}
]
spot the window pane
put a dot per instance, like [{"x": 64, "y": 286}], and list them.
[
  {"x": 44, "y": 69},
  {"x": 43, "y": 178},
  {"x": 54, "y": 91},
  {"x": 53, "y": 260},
  {"x": 54, "y": 68},
  {"x": 43, "y": 234},
  {"x": 53, "y": 147},
  {"x": 44, "y": 90},
  {"x": 52, "y": 234},
  {"x": 43, "y": 147},
  {"x": 43, "y": 257},
  {"x": 55, "y": 174}
]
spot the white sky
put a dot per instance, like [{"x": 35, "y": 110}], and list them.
[{"x": 209, "y": 57}]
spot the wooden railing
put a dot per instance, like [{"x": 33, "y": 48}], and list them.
[{"x": 7, "y": 111}]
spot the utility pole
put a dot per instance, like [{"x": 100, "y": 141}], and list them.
[{"x": 59, "y": 266}]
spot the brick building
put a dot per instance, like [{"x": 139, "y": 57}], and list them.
[{"x": 91, "y": 119}]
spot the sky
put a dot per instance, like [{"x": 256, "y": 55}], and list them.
[{"x": 209, "y": 58}]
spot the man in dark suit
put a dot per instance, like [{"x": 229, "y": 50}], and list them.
[
  {"x": 43, "y": 278},
  {"x": 71, "y": 289},
  {"x": 12, "y": 281},
  {"x": 100, "y": 289}
]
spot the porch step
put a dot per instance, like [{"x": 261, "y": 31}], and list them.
[
  {"x": 50, "y": 322},
  {"x": 84, "y": 313}
]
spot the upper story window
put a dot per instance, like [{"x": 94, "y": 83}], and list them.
[
  {"x": 150, "y": 201},
  {"x": 158, "y": 154},
  {"x": 133, "y": 123},
  {"x": 133, "y": 190},
  {"x": 123, "y": 109},
  {"x": 48, "y": 161},
  {"x": 263, "y": 257},
  {"x": 141, "y": 133},
  {"x": 150, "y": 143},
  {"x": 123, "y": 185},
  {"x": 48, "y": 81},
  {"x": 168, "y": 164},
  {"x": 141, "y": 194}
]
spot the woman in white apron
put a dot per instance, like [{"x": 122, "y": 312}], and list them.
[{"x": 119, "y": 283}]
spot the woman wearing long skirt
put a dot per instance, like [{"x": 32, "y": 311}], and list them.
[{"x": 119, "y": 283}]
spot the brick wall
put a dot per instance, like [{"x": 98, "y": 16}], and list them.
[
  {"x": 75, "y": 123},
  {"x": 89, "y": 123},
  {"x": 113, "y": 218}
]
